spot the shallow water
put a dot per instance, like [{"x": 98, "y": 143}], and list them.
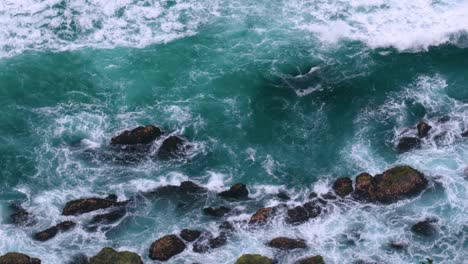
[{"x": 280, "y": 96}]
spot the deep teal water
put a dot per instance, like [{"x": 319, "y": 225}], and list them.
[{"x": 266, "y": 99}]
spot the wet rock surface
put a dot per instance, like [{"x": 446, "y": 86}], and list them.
[
  {"x": 311, "y": 260},
  {"x": 207, "y": 242},
  {"x": 237, "y": 191},
  {"x": 190, "y": 235},
  {"x": 139, "y": 135},
  {"x": 110, "y": 256},
  {"x": 303, "y": 213},
  {"x": 86, "y": 205},
  {"x": 166, "y": 247},
  {"x": 343, "y": 186},
  {"x": 18, "y": 258},
  {"x": 423, "y": 129},
  {"x": 171, "y": 148},
  {"x": 53, "y": 231},
  {"x": 406, "y": 144},
  {"x": 262, "y": 216},
  {"x": 425, "y": 228},
  {"x": 20, "y": 216},
  {"x": 254, "y": 259},
  {"x": 109, "y": 218},
  {"x": 216, "y": 211},
  {"x": 285, "y": 243}
]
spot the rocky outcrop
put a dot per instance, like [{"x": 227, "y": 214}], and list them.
[
  {"x": 171, "y": 148},
  {"x": 343, "y": 186},
  {"x": 110, "y": 256},
  {"x": 53, "y": 231},
  {"x": 139, "y": 135},
  {"x": 312, "y": 260},
  {"x": 190, "y": 235},
  {"x": 166, "y": 247},
  {"x": 20, "y": 216},
  {"x": 423, "y": 129},
  {"x": 254, "y": 259},
  {"x": 262, "y": 216},
  {"x": 187, "y": 190},
  {"x": 18, "y": 258},
  {"x": 392, "y": 185},
  {"x": 303, "y": 213},
  {"x": 207, "y": 242},
  {"x": 285, "y": 243},
  {"x": 425, "y": 228},
  {"x": 237, "y": 191},
  {"x": 216, "y": 211},
  {"x": 87, "y": 205},
  {"x": 108, "y": 218},
  {"x": 408, "y": 143}
]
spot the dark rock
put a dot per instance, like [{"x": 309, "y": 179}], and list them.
[
  {"x": 20, "y": 216},
  {"x": 343, "y": 186},
  {"x": 190, "y": 235},
  {"x": 171, "y": 148},
  {"x": 139, "y": 135},
  {"x": 53, "y": 231},
  {"x": 79, "y": 259},
  {"x": 423, "y": 129},
  {"x": 166, "y": 247},
  {"x": 465, "y": 134},
  {"x": 362, "y": 185},
  {"x": 444, "y": 119},
  {"x": 18, "y": 258},
  {"x": 110, "y": 256},
  {"x": 227, "y": 227},
  {"x": 187, "y": 191},
  {"x": 283, "y": 196},
  {"x": 312, "y": 195},
  {"x": 312, "y": 260},
  {"x": 285, "y": 243},
  {"x": 329, "y": 196},
  {"x": 425, "y": 228},
  {"x": 108, "y": 218},
  {"x": 408, "y": 143},
  {"x": 207, "y": 242},
  {"x": 303, "y": 213},
  {"x": 254, "y": 259},
  {"x": 216, "y": 212},
  {"x": 392, "y": 185},
  {"x": 237, "y": 191},
  {"x": 262, "y": 216},
  {"x": 87, "y": 205},
  {"x": 398, "y": 246}
]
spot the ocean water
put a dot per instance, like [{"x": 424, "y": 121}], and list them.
[{"x": 279, "y": 95}]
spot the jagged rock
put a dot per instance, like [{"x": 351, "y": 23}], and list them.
[
  {"x": 237, "y": 191},
  {"x": 423, "y": 129},
  {"x": 166, "y": 247},
  {"x": 53, "y": 231},
  {"x": 329, "y": 196},
  {"x": 139, "y": 135},
  {"x": 108, "y": 218},
  {"x": 303, "y": 213},
  {"x": 20, "y": 216},
  {"x": 408, "y": 143},
  {"x": 343, "y": 186},
  {"x": 253, "y": 259},
  {"x": 285, "y": 243},
  {"x": 283, "y": 196},
  {"x": 186, "y": 191},
  {"x": 171, "y": 148},
  {"x": 87, "y": 205},
  {"x": 465, "y": 134},
  {"x": 18, "y": 258},
  {"x": 313, "y": 195},
  {"x": 227, "y": 227},
  {"x": 216, "y": 212},
  {"x": 392, "y": 185},
  {"x": 312, "y": 260},
  {"x": 110, "y": 256},
  {"x": 207, "y": 242},
  {"x": 425, "y": 228},
  {"x": 262, "y": 216},
  {"x": 190, "y": 235}
]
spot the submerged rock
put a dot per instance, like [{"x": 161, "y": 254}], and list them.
[
  {"x": 207, "y": 242},
  {"x": 397, "y": 246},
  {"x": 285, "y": 243},
  {"x": 237, "y": 191},
  {"x": 190, "y": 235},
  {"x": 283, "y": 196},
  {"x": 216, "y": 212},
  {"x": 18, "y": 258},
  {"x": 423, "y": 129},
  {"x": 53, "y": 231},
  {"x": 171, "y": 148},
  {"x": 253, "y": 259},
  {"x": 139, "y": 135},
  {"x": 87, "y": 205},
  {"x": 312, "y": 260},
  {"x": 465, "y": 134},
  {"x": 425, "y": 228},
  {"x": 392, "y": 185},
  {"x": 166, "y": 247},
  {"x": 187, "y": 190},
  {"x": 20, "y": 216},
  {"x": 303, "y": 213},
  {"x": 262, "y": 216},
  {"x": 108, "y": 218},
  {"x": 79, "y": 259},
  {"x": 329, "y": 196},
  {"x": 110, "y": 256},
  {"x": 408, "y": 143},
  {"x": 343, "y": 186}
]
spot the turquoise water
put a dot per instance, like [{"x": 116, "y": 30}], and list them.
[{"x": 279, "y": 95}]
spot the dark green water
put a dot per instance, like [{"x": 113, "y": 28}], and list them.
[{"x": 266, "y": 99}]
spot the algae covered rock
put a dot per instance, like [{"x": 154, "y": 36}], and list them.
[
  {"x": 343, "y": 186},
  {"x": 18, "y": 258},
  {"x": 110, "y": 256},
  {"x": 311, "y": 260},
  {"x": 285, "y": 243},
  {"x": 253, "y": 259}
]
